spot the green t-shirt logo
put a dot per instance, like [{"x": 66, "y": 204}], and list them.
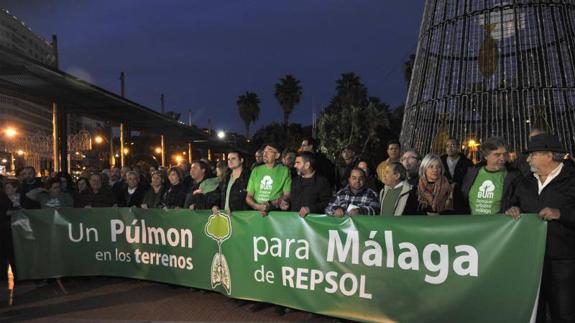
[
  {"x": 266, "y": 183},
  {"x": 486, "y": 190}
]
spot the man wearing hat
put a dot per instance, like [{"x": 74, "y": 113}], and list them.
[
  {"x": 549, "y": 191},
  {"x": 269, "y": 183}
]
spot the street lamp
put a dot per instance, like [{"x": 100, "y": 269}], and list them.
[
  {"x": 221, "y": 134},
  {"x": 10, "y": 132},
  {"x": 158, "y": 150},
  {"x": 98, "y": 139}
]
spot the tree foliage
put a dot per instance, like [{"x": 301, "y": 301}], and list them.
[
  {"x": 288, "y": 92},
  {"x": 249, "y": 109},
  {"x": 354, "y": 118},
  {"x": 275, "y": 133},
  {"x": 360, "y": 126}
]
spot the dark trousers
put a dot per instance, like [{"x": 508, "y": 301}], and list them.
[
  {"x": 6, "y": 249},
  {"x": 557, "y": 294}
]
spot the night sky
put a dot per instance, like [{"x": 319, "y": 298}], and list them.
[{"x": 204, "y": 54}]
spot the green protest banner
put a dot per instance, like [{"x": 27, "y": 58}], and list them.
[{"x": 384, "y": 269}]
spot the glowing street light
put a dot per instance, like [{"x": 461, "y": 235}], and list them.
[
  {"x": 10, "y": 132},
  {"x": 126, "y": 151},
  {"x": 20, "y": 152},
  {"x": 221, "y": 134},
  {"x": 178, "y": 158},
  {"x": 98, "y": 139},
  {"x": 158, "y": 150}
]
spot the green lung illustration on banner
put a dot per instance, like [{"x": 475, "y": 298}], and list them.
[{"x": 219, "y": 228}]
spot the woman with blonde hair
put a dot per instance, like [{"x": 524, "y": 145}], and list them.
[{"x": 435, "y": 194}]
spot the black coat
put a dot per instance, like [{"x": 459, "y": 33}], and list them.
[
  {"x": 152, "y": 199},
  {"x": 509, "y": 184},
  {"x": 118, "y": 191},
  {"x": 135, "y": 199},
  {"x": 325, "y": 168},
  {"x": 175, "y": 196},
  {"x": 460, "y": 169},
  {"x": 238, "y": 192},
  {"x": 25, "y": 202},
  {"x": 314, "y": 193},
  {"x": 558, "y": 194}
]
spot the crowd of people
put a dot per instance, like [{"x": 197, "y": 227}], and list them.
[{"x": 541, "y": 181}]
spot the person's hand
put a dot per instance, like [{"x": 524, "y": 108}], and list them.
[
  {"x": 229, "y": 211},
  {"x": 192, "y": 207},
  {"x": 514, "y": 212},
  {"x": 549, "y": 214},
  {"x": 303, "y": 211},
  {"x": 88, "y": 207},
  {"x": 353, "y": 211},
  {"x": 264, "y": 213},
  {"x": 198, "y": 191},
  {"x": 215, "y": 209},
  {"x": 144, "y": 206},
  {"x": 284, "y": 205},
  {"x": 338, "y": 213}
]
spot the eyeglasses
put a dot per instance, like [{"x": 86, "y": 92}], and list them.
[{"x": 408, "y": 157}]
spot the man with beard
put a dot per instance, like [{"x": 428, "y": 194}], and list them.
[{"x": 310, "y": 192}]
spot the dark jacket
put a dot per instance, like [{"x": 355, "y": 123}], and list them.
[
  {"x": 152, "y": 199},
  {"x": 26, "y": 202},
  {"x": 238, "y": 192},
  {"x": 314, "y": 193},
  {"x": 118, "y": 191},
  {"x": 326, "y": 169},
  {"x": 558, "y": 194},
  {"x": 6, "y": 246},
  {"x": 135, "y": 199},
  {"x": 460, "y": 169},
  {"x": 104, "y": 198},
  {"x": 509, "y": 184},
  {"x": 175, "y": 196}
]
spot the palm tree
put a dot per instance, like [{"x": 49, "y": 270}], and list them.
[
  {"x": 288, "y": 92},
  {"x": 249, "y": 108},
  {"x": 351, "y": 90}
]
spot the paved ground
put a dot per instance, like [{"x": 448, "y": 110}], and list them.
[{"x": 120, "y": 300}]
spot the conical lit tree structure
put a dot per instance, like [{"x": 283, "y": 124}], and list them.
[{"x": 492, "y": 68}]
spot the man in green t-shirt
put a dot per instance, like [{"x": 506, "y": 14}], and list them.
[
  {"x": 487, "y": 189},
  {"x": 269, "y": 183}
]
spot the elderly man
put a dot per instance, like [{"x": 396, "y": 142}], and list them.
[
  {"x": 411, "y": 160},
  {"x": 133, "y": 191},
  {"x": 550, "y": 192},
  {"x": 269, "y": 183},
  {"x": 398, "y": 197},
  {"x": 355, "y": 198}
]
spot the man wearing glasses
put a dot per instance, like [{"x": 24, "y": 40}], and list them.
[{"x": 269, "y": 183}]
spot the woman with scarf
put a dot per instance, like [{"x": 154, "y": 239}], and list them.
[{"x": 435, "y": 194}]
